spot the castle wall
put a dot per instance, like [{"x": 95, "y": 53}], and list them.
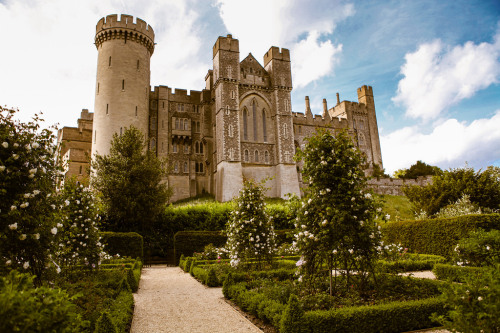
[{"x": 393, "y": 186}]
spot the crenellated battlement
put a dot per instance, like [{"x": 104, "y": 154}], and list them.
[
  {"x": 227, "y": 43},
  {"x": 275, "y": 53},
  {"x": 300, "y": 118},
  {"x": 111, "y": 27}
]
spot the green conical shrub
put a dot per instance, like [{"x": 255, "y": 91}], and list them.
[
  {"x": 124, "y": 286},
  {"x": 104, "y": 324},
  {"x": 292, "y": 316},
  {"x": 227, "y": 283},
  {"x": 212, "y": 280},
  {"x": 131, "y": 281}
]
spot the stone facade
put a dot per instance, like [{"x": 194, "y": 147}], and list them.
[
  {"x": 240, "y": 126},
  {"x": 394, "y": 186}
]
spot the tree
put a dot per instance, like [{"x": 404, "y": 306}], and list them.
[
  {"x": 250, "y": 232},
  {"x": 416, "y": 170},
  {"x": 335, "y": 225},
  {"x": 27, "y": 204},
  {"x": 482, "y": 187},
  {"x": 129, "y": 180}
]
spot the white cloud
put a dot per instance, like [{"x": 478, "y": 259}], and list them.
[
  {"x": 437, "y": 77},
  {"x": 312, "y": 59},
  {"x": 450, "y": 144},
  {"x": 49, "y": 60},
  {"x": 295, "y": 25}
]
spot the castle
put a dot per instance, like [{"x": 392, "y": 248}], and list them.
[{"x": 240, "y": 126}]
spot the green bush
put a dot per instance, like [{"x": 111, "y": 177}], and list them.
[
  {"x": 105, "y": 324},
  {"x": 291, "y": 321},
  {"x": 131, "y": 279},
  {"x": 437, "y": 236},
  {"x": 122, "y": 310},
  {"x": 228, "y": 282},
  {"x": 126, "y": 244},
  {"x": 454, "y": 273},
  {"x": 24, "y": 308},
  {"x": 212, "y": 280},
  {"x": 410, "y": 262},
  {"x": 387, "y": 318},
  {"x": 473, "y": 305},
  {"x": 481, "y": 248}
]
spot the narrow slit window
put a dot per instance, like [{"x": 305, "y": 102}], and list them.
[
  {"x": 266, "y": 156},
  {"x": 136, "y": 110},
  {"x": 264, "y": 129},
  {"x": 109, "y": 61},
  {"x": 97, "y": 87},
  {"x": 95, "y": 136},
  {"x": 121, "y": 130},
  {"x": 201, "y": 167},
  {"x": 197, "y": 168},
  {"x": 107, "y": 108},
  {"x": 185, "y": 167},
  {"x": 123, "y": 84},
  {"x": 254, "y": 115},
  {"x": 245, "y": 124},
  {"x": 201, "y": 147},
  {"x": 256, "y": 156},
  {"x": 81, "y": 169},
  {"x": 246, "y": 155},
  {"x": 137, "y": 64}
]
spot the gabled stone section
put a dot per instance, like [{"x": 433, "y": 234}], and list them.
[{"x": 252, "y": 72}]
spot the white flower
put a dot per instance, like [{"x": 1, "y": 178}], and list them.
[
  {"x": 353, "y": 198},
  {"x": 309, "y": 201},
  {"x": 15, "y": 156},
  {"x": 37, "y": 236},
  {"x": 334, "y": 251},
  {"x": 479, "y": 298},
  {"x": 33, "y": 171},
  {"x": 58, "y": 270},
  {"x": 2, "y": 168},
  {"x": 8, "y": 262},
  {"x": 325, "y": 222},
  {"x": 53, "y": 206},
  {"x": 22, "y": 237},
  {"x": 368, "y": 196},
  {"x": 306, "y": 212},
  {"x": 36, "y": 192},
  {"x": 13, "y": 226},
  {"x": 27, "y": 195},
  {"x": 351, "y": 251},
  {"x": 328, "y": 190},
  {"x": 59, "y": 225},
  {"x": 53, "y": 231},
  {"x": 31, "y": 176},
  {"x": 35, "y": 145},
  {"x": 66, "y": 202},
  {"x": 5, "y": 144},
  {"x": 13, "y": 207},
  {"x": 388, "y": 216},
  {"x": 26, "y": 265},
  {"x": 487, "y": 247}
]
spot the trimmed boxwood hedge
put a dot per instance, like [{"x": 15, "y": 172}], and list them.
[
  {"x": 455, "y": 273},
  {"x": 410, "y": 262},
  {"x": 437, "y": 236},
  {"x": 126, "y": 244},
  {"x": 188, "y": 242}
]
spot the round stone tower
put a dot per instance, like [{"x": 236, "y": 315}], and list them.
[{"x": 123, "y": 78}]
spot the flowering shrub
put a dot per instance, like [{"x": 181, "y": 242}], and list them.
[
  {"x": 78, "y": 239},
  {"x": 462, "y": 206},
  {"x": 250, "y": 233},
  {"x": 27, "y": 177},
  {"x": 481, "y": 248},
  {"x": 335, "y": 223}
]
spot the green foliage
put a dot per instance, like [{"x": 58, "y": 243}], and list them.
[
  {"x": 122, "y": 310},
  {"x": 417, "y": 170},
  {"x": 291, "y": 321},
  {"x": 410, "y": 262},
  {"x": 78, "y": 236},
  {"x": 454, "y": 273},
  {"x": 250, "y": 232},
  {"x": 105, "y": 324},
  {"x": 336, "y": 219},
  {"x": 480, "y": 248},
  {"x": 398, "y": 207},
  {"x": 483, "y": 188},
  {"x": 131, "y": 280},
  {"x": 27, "y": 178},
  {"x": 129, "y": 179},
  {"x": 474, "y": 305},
  {"x": 189, "y": 242},
  {"x": 462, "y": 206},
  {"x": 212, "y": 280},
  {"x": 229, "y": 281},
  {"x": 436, "y": 236},
  {"x": 378, "y": 172},
  {"x": 24, "y": 308},
  {"x": 124, "y": 285},
  {"x": 125, "y": 244}
]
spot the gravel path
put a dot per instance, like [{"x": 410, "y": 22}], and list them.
[{"x": 170, "y": 300}]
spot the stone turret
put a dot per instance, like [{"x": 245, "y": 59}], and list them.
[
  {"x": 123, "y": 78},
  {"x": 365, "y": 96}
]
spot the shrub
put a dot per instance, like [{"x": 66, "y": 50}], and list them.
[
  {"x": 104, "y": 324},
  {"x": 481, "y": 248},
  {"x": 189, "y": 242},
  {"x": 122, "y": 310},
  {"x": 436, "y": 236},
  {"x": 291, "y": 321},
  {"x": 24, "y": 307},
  {"x": 124, "y": 286},
  {"x": 126, "y": 244},
  {"x": 410, "y": 262},
  {"x": 454, "y": 273},
  {"x": 229, "y": 281},
  {"x": 132, "y": 282},
  {"x": 212, "y": 278},
  {"x": 474, "y": 305}
]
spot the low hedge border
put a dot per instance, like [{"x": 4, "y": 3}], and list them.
[
  {"x": 437, "y": 236},
  {"x": 410, "y": 262},
  {"x": 389, "y": 317},
  {"x": 201, "y": 273},
  {"x": 455, "y": 273}
]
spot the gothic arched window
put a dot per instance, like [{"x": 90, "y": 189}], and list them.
[
  {"x": 264, "y": 129},
  {"x": 254, "y": 115},
  {"x": 246, "y": 155},
  {"x": 197, "y": 147},
  {"x": 185, "y": 167},
  {"x": 266, "y": 156},
  {"x": 256, "y": 156},
  {"x": 201, "y": 147},
  {"x": 245, "y": 124}
]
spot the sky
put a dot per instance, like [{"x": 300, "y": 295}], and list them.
[{"x": 434, "y": 65}]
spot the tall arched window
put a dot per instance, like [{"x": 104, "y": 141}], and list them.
[
  {"x": 246, "y": 155},
  {"x": 176, "y": 123},
  {"x": 185, "y": 167},
  {"x": 196, "y": 168},
  {"x": 254, "y": 115},
  {"x": 174, "y": 147},
  {"x": 201, "y": 167},
  {"x": 197, "y": 147},
  {"x": 186, "y": 126},
  {"x": 256, "y": 156},
  {"x": 176, "y": 167},
  {"x": 153, "y": 144},
  {"x": 266, "y": 156},
  {"x": 245, "y": 124},
  {"x": 201, "y": 147},
  {"x": 264, "y": 129}
]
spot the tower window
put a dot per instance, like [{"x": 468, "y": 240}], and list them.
[
  {"x": 186, "y": 126},
  {"x": 162, "y": 146},
  {"x": 256, "y": 154},
  {"x": 80, "y": 169},
  {"x": 186, "y": 148},
  {"x": 246, "y": 155},
  {"x": 264, "y": 129},
  {"x": 266, "y": 156},
  {"x": 121, "y": 130},
  {"x": 174, "y": 147},
  {"x": 176, "y": 123},
  {"x": 197, "y": 168},
  {"x": 254, "y": 114},
  {"x": 123, "y": 84},
  {"x": 95, "y": 136},
  {"x": 176, "y": 167},
  {"x": 107, "y": 108},
  {"x": 185, "y": 167},
  {"x": 285, "y": 131},
  {"x": 137, "y": 64},
  {"x": 201, "y": 167},
  {"x": 233, "y": 95},
  {"x": 245, "y": 124},
  {"x": 201, "y": 147},
  {"x": 97, "y": 87},
  {"x": 153, "y": 144},
  {"x": 230, "y": 130},
  {"x": 197, "y": 147},
  {"x": 136, "y": 110},
  {"x": 109, "y": 61},
  {"x": 163, "y": 103}
]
